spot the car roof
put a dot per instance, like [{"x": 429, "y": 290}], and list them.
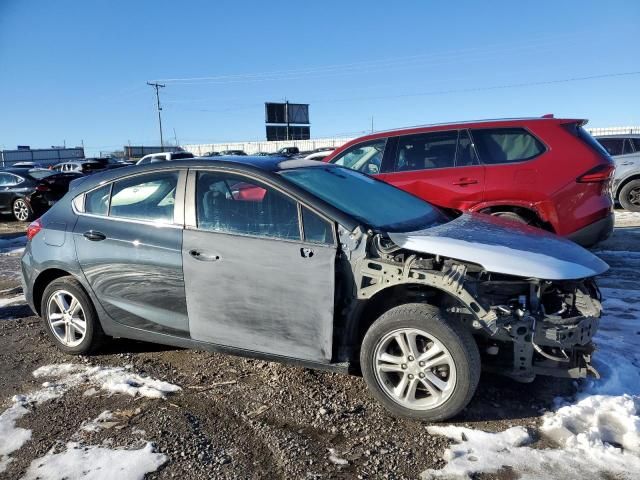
[{"x": 258, "y": 164}]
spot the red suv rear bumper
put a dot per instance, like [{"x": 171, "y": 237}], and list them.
[{"x": 595, "y": 232}]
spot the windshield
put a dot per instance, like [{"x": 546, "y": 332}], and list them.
[{"x": 375, "y": 203}]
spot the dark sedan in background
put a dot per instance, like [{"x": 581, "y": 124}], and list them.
[{"x": 26, "y": 193}]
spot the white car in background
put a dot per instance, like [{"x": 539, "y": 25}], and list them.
[
  {"x": 320, "y": 154},
  {"x": 164, "y": 157}
]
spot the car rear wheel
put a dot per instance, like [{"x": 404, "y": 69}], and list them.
[
  {"x": 21, "y": 210},
  {"x": 418, "y": 364},
  {"x": 70, "y": 318},
  {"x": 629, "y": 196}
]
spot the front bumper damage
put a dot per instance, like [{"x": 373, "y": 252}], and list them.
[{"x": 523, "y": 327}]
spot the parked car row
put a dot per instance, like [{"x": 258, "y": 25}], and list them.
[{"x": 26, "y": 193}]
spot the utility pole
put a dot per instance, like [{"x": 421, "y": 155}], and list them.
[
  {"x": 158, "y": 86},
  {"x": 286, "y": 114}
]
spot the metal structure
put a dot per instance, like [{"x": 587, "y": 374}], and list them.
[
  {"x": 266, "y": 147},
  {"x": 287, "y": 121},
  {"x": 40, "y": 156}
]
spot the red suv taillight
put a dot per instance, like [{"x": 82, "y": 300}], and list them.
[
  {"x": 33, "y": 229},
  {"x": 42, "y": 188},
  {"x": 599, "y": 174}
]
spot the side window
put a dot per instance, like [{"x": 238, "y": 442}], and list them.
[
  {"x": 466, "y": 154},
  {"x": 613, "y": 145},
  {"x": 316, "y": 229},
  {"x": 365, "y": 157},
  {"x": 7, "y": 180},
  {"x": 505, "y": 145},
  {"x": 636, "y": 143},
  {"x": 626, "y": 147},
  {"x": 234, "y": 204},
  {"x": 96, "y": 202},
  {"x": 426, "y": 150},
  {"x": 145, "y": 197}
]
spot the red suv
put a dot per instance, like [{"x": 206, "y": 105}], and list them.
[{"x": 547, "y": 172}]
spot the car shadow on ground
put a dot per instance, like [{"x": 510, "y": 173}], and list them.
[
  {"x": 499, "y": 398},
  {"x": 115, "y": 346}
]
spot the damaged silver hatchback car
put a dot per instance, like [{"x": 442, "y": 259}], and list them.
[{"x": 295, "y": 260}]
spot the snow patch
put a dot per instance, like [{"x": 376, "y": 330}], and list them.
[
  {"x": 597, "y": 432},
  {"x": 110, "y": 379},
  {"x": 96, "y": 463},
  {"x": 18, "y": 299},
  {"x": 12, "y": 246},
  {"x": 11, "y": 437},
  {"x": 478, "y": 451},
  {"x": 68, "y": 375}
]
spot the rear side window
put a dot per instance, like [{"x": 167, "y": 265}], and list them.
[
  {"x": 426, "y": 151},
  {"x": 614, "y": 146},
  {"x": 365, "y": 157},
  {"x": 506, "y": 145},
  {"x": 636, "y": 143},
  {"x": 96, "y": 202},
  {"x": 145, "y": 197}
]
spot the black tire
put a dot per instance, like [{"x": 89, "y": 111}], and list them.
[
  {"x": 456, "y": 339},
  {"x": 629, "y": 196},
  {"x": 93, "y": 335},
  {"x": 21, "y": 210}
]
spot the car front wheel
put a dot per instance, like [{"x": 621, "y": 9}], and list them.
[
  {"x": 69, "y": 317},
  {"x": 630, "y": 196},
  {"x": 418, "y": 364}
]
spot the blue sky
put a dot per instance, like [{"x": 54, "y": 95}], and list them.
[{"x": 75, "y": 71}]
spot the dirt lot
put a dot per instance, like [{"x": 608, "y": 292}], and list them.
[{"x": 238, "y": 418}]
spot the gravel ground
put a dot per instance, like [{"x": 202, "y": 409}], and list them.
[{"x": 239, "y": 418}]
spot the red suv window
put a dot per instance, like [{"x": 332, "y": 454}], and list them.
[{"x": 506, "y": 145}]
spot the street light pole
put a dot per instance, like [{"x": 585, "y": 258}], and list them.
[{"x": 158, "y": 86}]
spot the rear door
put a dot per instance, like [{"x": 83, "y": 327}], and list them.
[
  {"x": 508, "y": 155},
  {"x": 440, "y": 167},
  {"x": 258, "y": 268},
  {"x": 128, "y": 240}
]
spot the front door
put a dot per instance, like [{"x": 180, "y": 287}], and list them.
[
  {"x": 255, "y": 280},
  {"x": 129, "y": 245}
]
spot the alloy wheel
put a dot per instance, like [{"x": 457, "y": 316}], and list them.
[
  {"x": 21, "y": 210},
  {"x": 66, "y": 318},
  {"x": 634, "y": 196},
  {"x": 414, "y": 369}
]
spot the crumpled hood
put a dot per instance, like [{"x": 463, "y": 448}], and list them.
[{"x": 503, "y": 246}]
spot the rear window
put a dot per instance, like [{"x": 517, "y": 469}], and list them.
[
  {"x": 506, "y": 145},
  {"x": 181, "y": 155}
]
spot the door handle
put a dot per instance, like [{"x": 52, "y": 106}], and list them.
[
  {"x": 94, "y": 236},
  {"x": 203, "y": 257},
  {"x": 466, "y": 181},
  {"x": 306, "y": 252}
]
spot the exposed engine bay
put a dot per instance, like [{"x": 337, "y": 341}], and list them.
[{"x": 523, "y": 326}]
